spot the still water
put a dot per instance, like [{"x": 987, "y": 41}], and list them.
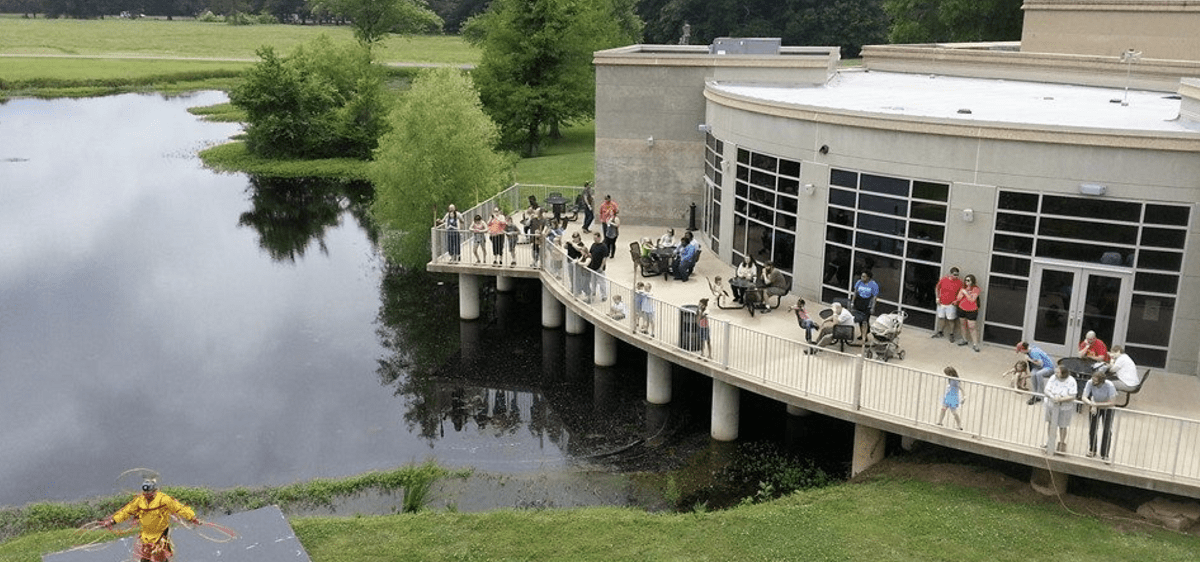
[{"x": 226, "y": 330}]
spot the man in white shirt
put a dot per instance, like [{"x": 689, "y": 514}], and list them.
[
  {"x": 1124, "y": 370},
  {"x": 840, "y": 317}
]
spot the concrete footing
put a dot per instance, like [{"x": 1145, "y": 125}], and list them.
[
  {"x": 658, "y": 379},
  {"x": 506, "y": 284},
  {"x": 1049, "y": 483},
  {"x": 726, "y": 410},
  {"x": 468, "y": 296},
  {"x": 575, "y": 323},
  {"x": 605, "y": 349},
  {"x": 797, "y": 411},
  {"x": 868, "y": 448},
  {"x": 552, "y": 310}
]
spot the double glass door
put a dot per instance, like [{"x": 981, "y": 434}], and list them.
[{"x": 1070, "y": 300}]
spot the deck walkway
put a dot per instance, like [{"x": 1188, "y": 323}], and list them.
[{"x": 1156, "y": 438}]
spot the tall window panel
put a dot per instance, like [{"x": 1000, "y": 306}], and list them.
[
  {"x": 714, "y": 162},
  {"x": 766, "y": 198},
  {"x": 895, "y": 227}
]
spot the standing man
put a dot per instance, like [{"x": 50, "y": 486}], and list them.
[
  {"x": 608, "y": 210},
  {"x": 947, "y": 313},
  {"x": 598, "y": 253},
  {"x": 1040, "y": 365},
  {"x": 1100, "y": 395},
  {"x": 588, "y": 203},
  {"x": 152, "y": 509}
]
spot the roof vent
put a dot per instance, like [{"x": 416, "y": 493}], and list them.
[
  {"x": 965, "y": 111},
  {"x": 745, "y": 46}
]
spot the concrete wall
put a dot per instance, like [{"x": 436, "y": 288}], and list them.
[{"x": 1160, "y": 29}]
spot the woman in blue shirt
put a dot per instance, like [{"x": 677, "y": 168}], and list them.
[{"x": 862, "y": 300}]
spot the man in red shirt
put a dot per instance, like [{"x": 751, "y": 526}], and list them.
[
  {"x": 1093, "y": 347},
  {"x": 947, "y": 314}
]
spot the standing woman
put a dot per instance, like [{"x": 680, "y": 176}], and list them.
[
  {"x": 612, "y": 229},
  {"x": 495, "y": 229},
  {"x": 968, "y": 307},
  {"x": 1060, "y": 407},
  {"x": 478, "y": 229},
  {"x": 452, "y": 222},
  {"x": 862, "y": 301}
]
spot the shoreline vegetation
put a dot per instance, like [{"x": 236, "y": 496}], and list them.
[{"x": 916, "y": 513}]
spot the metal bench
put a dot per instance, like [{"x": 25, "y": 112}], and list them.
[{"x": 1135, "y": 390}]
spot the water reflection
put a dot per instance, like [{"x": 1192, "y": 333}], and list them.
[{"x": 290, "y": 214}]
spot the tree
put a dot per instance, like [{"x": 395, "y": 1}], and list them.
[
  {"x": 441, "y": 150},
  {"x": 849, "y": 24},
  {"x": 929, "y": 21},
  {"x": 323, "y": 101},
  {"x": 373, "y": 20},
  {"x": 536, "y": 68}
]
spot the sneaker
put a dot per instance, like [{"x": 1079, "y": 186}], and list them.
[
  {"x": 936, "y": 335},
  {"x": 962, "y": 342},
  {"x": 1032, "y": 400},
  {"x": 976, "y": 348},
  {"x": 1062, "y": 447}
]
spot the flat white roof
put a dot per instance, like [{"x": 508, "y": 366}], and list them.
[{"x": 989, "y": 101}]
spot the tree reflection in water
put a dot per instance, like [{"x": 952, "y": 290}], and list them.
[{"x": 290, "y": 213}]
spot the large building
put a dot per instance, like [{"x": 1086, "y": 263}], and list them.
[{"x": 1062, "y": 171}]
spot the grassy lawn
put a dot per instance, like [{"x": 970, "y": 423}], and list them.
[{"x": 882, "y": 519}]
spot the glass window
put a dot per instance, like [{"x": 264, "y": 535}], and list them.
[
  {"x": 1013, "y": 244},
  {"x": 926, "y": 231},
  {"x": 743, "y": 173},
  {"x": 1009, "y": 222},
  {"x": 1167, "y": 214},
  {"x": 764, "y": 162},
  {"x": 928, "y": 211},
  {"x": 1167, "y": 261},
  {"x": 1010, "y": 265},
  {"x": 1016, "y": 201},
  {"x": 883, "y": 205},
  {"x": 1087, "y": 230},
  {"x": 925, "y": 252},
  {"x": 1156, "y": 282},
  {"x": 742, "y": 189},
  {"x": 1071, "y": 251},
  {"x": 886, "y": 270},
  {"x": 839, "y": 235},
  {"x": 877, "y": 223},
  {"x": 837, "y": 269},
  {"x": 842, "y": 198},
  {"x": 1003, "y": 334},
  {"x": 843, "y": 178},
  {"x": 1163, "y": 237},
  {"x": 790, "y": 168},
  {"x": 840, "y": 217},
  {"x": 785, "y": 222},
  {"x": 784, "y": 250},
  {"x": 919, "y": 283},
  {"x": 789, "y": 186},
  {"x": 884, "y": 184},
  {"x": 787, "y": 204},
  {"x": 931, "y": 191},
  {"x": 1150, "y": 320},
  {"x": 743, "y": 156},
  {"x": 762, "y": 179},
  {"x": 1091, "y": 208},
  {"x": 1006, "y": 300},
  {"x": 881, "y": 244}
]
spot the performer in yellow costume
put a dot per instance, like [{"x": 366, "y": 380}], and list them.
[{"x": 153, "y": 509}]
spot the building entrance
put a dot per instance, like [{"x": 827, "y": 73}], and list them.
[{"x": 1070, "y": 300}]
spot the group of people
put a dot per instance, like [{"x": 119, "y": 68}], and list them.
[
  {"x": 758, "y": 282},
  {"x": 957, "y": 306},
  {"x": 1113, "y": 371}
]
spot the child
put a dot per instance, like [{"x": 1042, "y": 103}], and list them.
[
  {"x": 512, "y": 231},
  {"x": 953, "y": 398},
  {"x": 478, "y": 230},
  {"x": 702, "y": 329},
  {"x": 1019, "y": 375},
  {"x": 648, "y": 311},
  {"x": 639, "y": 295},
  {"x": 617, "y": 309}
]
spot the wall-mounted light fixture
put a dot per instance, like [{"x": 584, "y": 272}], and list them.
[
  {"x": 705, "y": 128},
  {"x": 650, "y": 141},
  {"x": 1094, "y": 189},
  {"x": 968, "y": 215},
  {"x": 824, "y": 149},
  {"x": 808, "y": 189}
]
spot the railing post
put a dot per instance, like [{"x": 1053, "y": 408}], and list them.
[
  {"x": 726, "y": 344},
  {"x": 859, "y": 364},
  {"x": 982, "y": 414},
  {"x": 1178, "y": 446}
]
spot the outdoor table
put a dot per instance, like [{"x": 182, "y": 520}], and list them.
[
  {"x": 747, "y": 284},
  {"x": 557, "y": 203},
  {"x": 1081, "y": 369}
]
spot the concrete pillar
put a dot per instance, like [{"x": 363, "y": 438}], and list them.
[
  {"x": 468, "y": 296},
  {"x": 552, "y": 310},
  {"x": 908, "y": 443},
  {"x": 796, "y": 411},
  {"x": 1048, "y": 483},
  {"x": 726, "y": 409},
  {"x": 868, "y": 448},
  {"x": 506, "y": 284},
  {"x": 658, "y": 379},
  {"x": 575, "y": 323},
  {"x": 605, "y": 350}
]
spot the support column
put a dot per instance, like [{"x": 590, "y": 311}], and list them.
[
  {"x": 505, "y": 283},
  {"x": 868, "y": 448},
  {"x": 575, "y": 323},
  {"x": 605, "y": 351},
  {"x": 1048, "y": 482},
  {"x": 726, "y": 408},
  {"x": 658, "y": 379},
  {"x": 908, "y": 443},
  {"x": 797, "y": 411},
  {"x": 552, "y": 310},
  {"x": 468, "y": 296}
]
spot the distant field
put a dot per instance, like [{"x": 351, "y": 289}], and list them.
[{"x": 118, "y": 38}]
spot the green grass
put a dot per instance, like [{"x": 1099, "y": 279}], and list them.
[
  {"x": 570, "y": 160},
  {"x": 880, "y": 519}
]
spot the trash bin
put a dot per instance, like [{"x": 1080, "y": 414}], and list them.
[{"x": 689, "y": 331}]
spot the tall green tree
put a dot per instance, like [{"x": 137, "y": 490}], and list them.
[
  {"x": 536, "y": 72},
  {"x": 442, "y": 149},
  {"x": 373, "y": 20},
  {"x": 322, "y": 101},
  {"x": 928, "y": 21}
]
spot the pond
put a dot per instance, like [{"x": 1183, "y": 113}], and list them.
[{"x": 228, "y": 330}]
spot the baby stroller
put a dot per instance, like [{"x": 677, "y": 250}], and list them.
[{"x": 884, "y": 341}]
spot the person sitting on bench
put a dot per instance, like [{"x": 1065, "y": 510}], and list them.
[
  {"x": 840, "y": 317},
  {"x": 1122, "y": 370}
]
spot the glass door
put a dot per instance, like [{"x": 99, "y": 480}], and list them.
[{"x": 1068, "y": 301}]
